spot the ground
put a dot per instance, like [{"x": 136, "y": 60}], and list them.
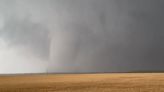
[{"x": 112, "y": 82}]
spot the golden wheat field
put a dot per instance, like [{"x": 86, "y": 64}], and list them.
[{"x": 114, "y": 82}]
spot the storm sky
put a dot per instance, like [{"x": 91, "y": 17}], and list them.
[{"x": 74, "y": 36}]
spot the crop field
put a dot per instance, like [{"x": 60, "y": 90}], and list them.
[{"x": 107, "y": 82}]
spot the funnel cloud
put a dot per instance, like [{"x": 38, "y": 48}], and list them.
[{"x": 81, "y": 36}]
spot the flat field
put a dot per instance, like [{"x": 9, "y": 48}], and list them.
[{"x": 112, "y": 82}]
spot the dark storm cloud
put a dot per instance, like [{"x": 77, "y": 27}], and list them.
[
  {"x": 145, "y": 47},
  {"x": 113, "y": 36},
  {"x": 88, "y": 35}
]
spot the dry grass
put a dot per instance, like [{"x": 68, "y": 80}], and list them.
[{"x": 123, "y": 82}]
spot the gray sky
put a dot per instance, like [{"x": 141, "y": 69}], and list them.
[{"x": 38, "y": 36}]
